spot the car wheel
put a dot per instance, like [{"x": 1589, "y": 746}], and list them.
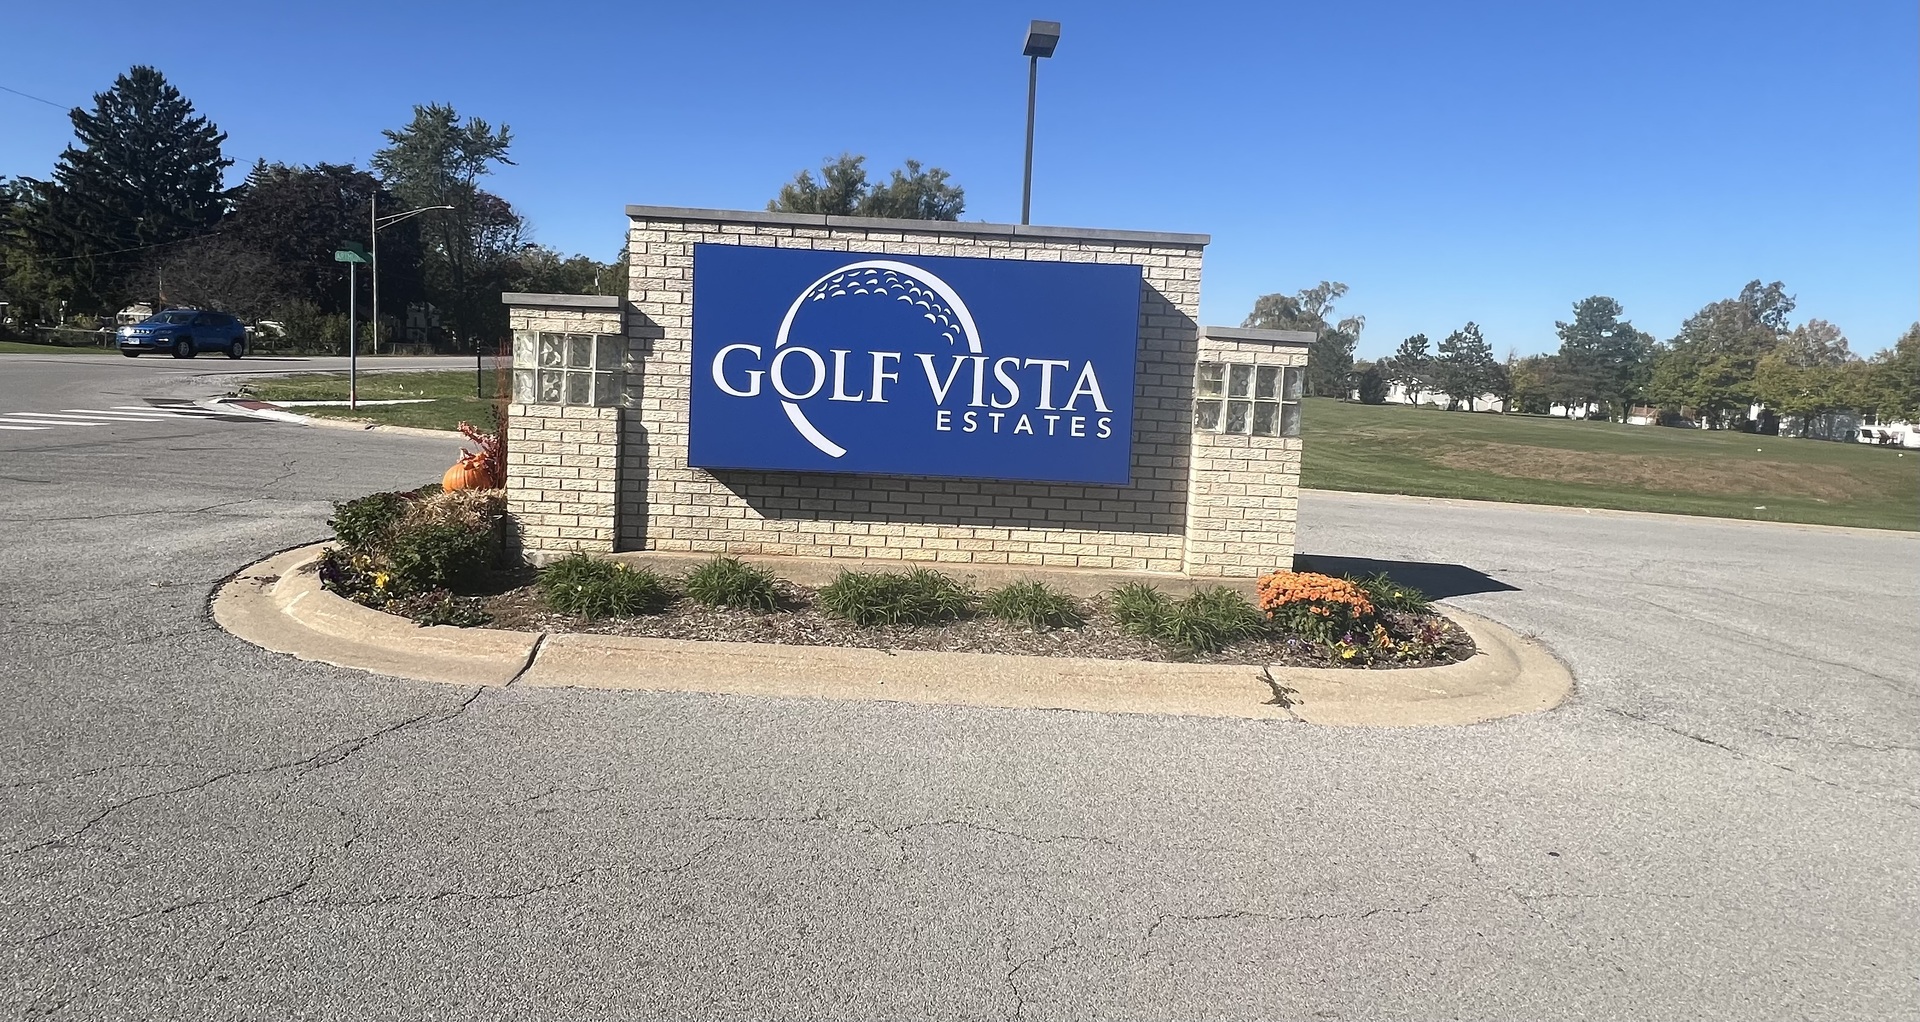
[
  {"x": 183, "y": 348},
  {"x": 238, "y": 349},
  {"x": 131, "y": 354}
]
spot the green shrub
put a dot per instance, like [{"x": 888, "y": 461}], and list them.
[
  {"x": 1209, "y": 619},
  {"x": 731, "y": 582},
  {"x": 589, "y": 587},
  {"x": 915, "y": 597},
  {"x": 1140, "y": 609},
  {"x": 446, "y": 555},
  {"x": 366, "y": 524},
  {"x": 1032, "y": 604},
  {"x": 1386, "y": 594}
]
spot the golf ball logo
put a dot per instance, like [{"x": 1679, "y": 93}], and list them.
[{"x": 870, "y": 331}]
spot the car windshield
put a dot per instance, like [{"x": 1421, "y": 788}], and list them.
[{"x": 175, "y": 318}]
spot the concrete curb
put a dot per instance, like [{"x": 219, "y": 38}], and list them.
[
  {"x": 1605, "y": 512},
  {"x": 358, "y": 426},
  {"x": 278, "y": 604}
]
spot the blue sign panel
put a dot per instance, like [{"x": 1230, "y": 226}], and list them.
[{"x": 912, "y": 365}]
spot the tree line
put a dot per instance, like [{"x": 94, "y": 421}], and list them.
[
  {"x": 1730, "y": 356},
  {"x": 136, "y": 210}
]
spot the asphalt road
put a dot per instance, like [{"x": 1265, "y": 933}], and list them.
[{"x": 1721, "y": 824}]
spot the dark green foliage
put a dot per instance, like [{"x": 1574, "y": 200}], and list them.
[
  {"x": 731, "y": 582},
  {"x": 1386, "y": 594},
  {"x": 468, "y": 251},
  {"x": 1140, "y": 608},
  {"x": 296, "y": 216},
  {"x": 365, "y": 524},
  {"x": 590, "y": 587},
  {"x": 144, "y": 170},
  {"x": 1373, "y": 386},
  {"x": 1465, "y": 368},
  {"x": 1203, "y": 622},
  {"x": 441, "y": 555},
  {"x": 1209, "y": 619},
  {"x": 1032, "y": 604},
  {"x": 843, "y": 190},
  {"x": 915, "y": 597}
]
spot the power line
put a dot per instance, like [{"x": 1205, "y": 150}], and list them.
[
  {"x": 138, "y": 248},
  {"x": 33, "y": 97}
]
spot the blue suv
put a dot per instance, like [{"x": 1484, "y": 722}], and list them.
[{"x": 184, "y": 333}]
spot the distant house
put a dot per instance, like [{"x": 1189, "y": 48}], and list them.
[
  {"x": 1569, "y": 410},
  {"x": 1397, "y": 395},
  {"x": 1892, "y": 433}
]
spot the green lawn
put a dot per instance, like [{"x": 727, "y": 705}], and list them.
[
  {"x": 451, "y": 391},
  {"x": 1535, "y": 460},
  {"x": 1430, "y": 453},
  {"x": 19, "y": 348}
]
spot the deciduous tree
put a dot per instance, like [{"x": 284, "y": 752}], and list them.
[
  {"x": 1710, "y": 365},
  {"x": 438, "y": 159},
  {"x": 1330, "y": 357}
]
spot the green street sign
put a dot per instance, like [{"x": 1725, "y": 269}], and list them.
[{"x": 351, "y": 252}]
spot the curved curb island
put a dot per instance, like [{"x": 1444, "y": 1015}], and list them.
[{"x": 278, "y": 604}]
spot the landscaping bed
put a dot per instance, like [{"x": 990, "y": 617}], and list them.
[{"x": 437, "y": 557}]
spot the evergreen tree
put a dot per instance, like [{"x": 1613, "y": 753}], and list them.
[
  {"x": 912, "y": 194},
  {"x": 1465, "y": 368},
  {"x": 145, "y": 171},
  {"x": 1373, "y": 386},
  {"x": 1602, "y": 358},
  {"x": 1411, "y": 366}
]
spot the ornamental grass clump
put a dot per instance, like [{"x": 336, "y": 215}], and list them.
[
  {"x": 1139, "y": 608},
  {"x": 1033, "y": 604},
  {"x": 1317, "y": 607},
  {"x": 915, "y": 597},
  {"x": 1208, "y": 620},
  {"x": 590, "y": 587},
  {"x": 731, "y": 582}
]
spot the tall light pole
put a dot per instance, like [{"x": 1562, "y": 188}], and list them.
[
  {"x": 1042, "y": 37},
  {"x": 374, "y": 223}
]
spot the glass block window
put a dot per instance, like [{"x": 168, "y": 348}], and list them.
[
  {"x": 1252, "y": 400},
  {"x": 567, "y": 369}
]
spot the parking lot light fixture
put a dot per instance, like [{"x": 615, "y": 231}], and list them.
[
  {"x": 374, "y": 223},
  {"x": 1042, "y": 37}
]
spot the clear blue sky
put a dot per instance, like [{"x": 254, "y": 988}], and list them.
[{"x": 1483, "y": 161}]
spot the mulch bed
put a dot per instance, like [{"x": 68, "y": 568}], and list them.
[{"x": 516, "y": 605}]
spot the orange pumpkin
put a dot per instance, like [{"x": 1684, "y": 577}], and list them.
[{"x": 471, "y": 472}]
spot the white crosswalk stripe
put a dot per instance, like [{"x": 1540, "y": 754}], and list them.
[
  {"x": 188, "y": 410},
  {"x": 26, "y": 421},
  {"x": 95, "y": 420},
  {"x": 122, "y": 416}
]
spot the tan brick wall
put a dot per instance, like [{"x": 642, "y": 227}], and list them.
[
  {"x": 667, "y": 505},
  {"x": 1243, "y": 510},
  {"x": 563, "y": 463}
]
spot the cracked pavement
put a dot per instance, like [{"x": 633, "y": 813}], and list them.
[{"x": 1721, "y": 824}]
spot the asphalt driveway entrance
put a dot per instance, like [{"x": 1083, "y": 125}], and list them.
[{"x": 1720, "y": 824}]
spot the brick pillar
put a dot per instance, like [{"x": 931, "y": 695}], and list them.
[
  {"x": 563, "y": 425},
  {"x": 1244, "y": 483}
]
